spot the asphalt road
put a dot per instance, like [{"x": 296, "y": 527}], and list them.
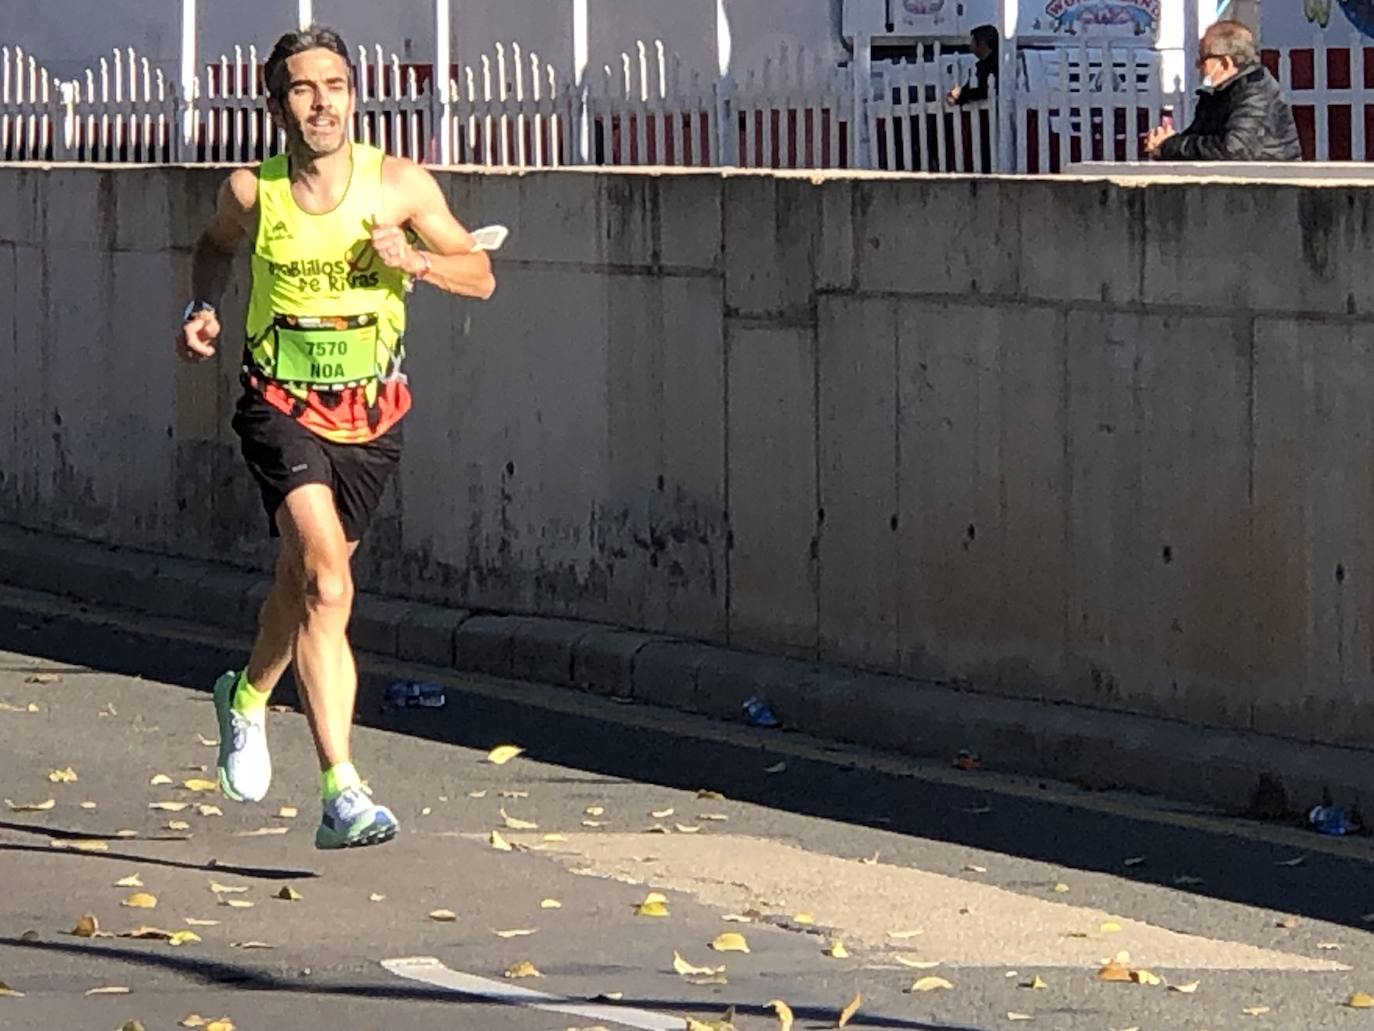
[{"x": 986, "y": 881}]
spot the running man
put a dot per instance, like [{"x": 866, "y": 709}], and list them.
[{"x": 331, "y": 224}]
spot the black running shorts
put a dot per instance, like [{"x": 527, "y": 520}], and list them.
[{"x": 283, "y": 455}]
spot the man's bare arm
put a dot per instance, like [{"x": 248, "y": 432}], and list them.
[
  {"x": 213, "y": 259},
  {"x": 453, "y": 264}
]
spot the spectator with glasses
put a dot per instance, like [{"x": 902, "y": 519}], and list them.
[{"x": 1241, "y": 111}]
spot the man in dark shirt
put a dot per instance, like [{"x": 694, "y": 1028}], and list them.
[
  {"x": 983, "y": 43},
  {"x": 1241, "y": 112}
]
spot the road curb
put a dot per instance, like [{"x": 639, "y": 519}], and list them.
[{"x": 1065, "y": 742}]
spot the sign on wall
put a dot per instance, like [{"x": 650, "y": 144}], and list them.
[
  {"x": 1294, "y": 24},
  {"x": 1100, "y": 18}
]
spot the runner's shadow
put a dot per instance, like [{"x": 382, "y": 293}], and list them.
[
  {"x": 262, "y": 873},
  {"x": 212, "y": 973}
]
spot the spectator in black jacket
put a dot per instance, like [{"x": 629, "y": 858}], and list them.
[
  {"x": 1241, "y": 112},
  {"x": 983, "y": 43}
]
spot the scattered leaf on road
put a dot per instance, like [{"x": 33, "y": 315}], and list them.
[
  {"x": 837, "y": 951},
  {"x": 804, "y": 918},
  {"x": 930, "y": 984},
  {"x": 1013, "y": 1015},
  {"x": 1110, "y": 927},
  {"x": 6, "y": 992},
  {"x": 683, "y": 828},
  {"x": 288, "y": 894},
  {"x": 662, "y": 814},
  {"x": 784, "y": 1013},
  {"x": 713, "y": 817},
  {"x": 140, "y": 900},
  {"x": 847, "y": 1014},
  {"x": 86, "y": 927},
  {"x": 443, "y": 916},
  {"x": 518, "y": 825},
  {"x": 178, "y": 825},
  {"x": 80, "y": 844},
  {"x": 236, "y": 903},
  {"x": 262, "y": 832},
  {"x": 1146, "y": 977},
  {"x": 775, "y": 768},
  {"x": 1360, "y": 1001},
  {"x": 550, "y": 904},
  {"x": 1034, "y": 982},
  {"x": 67, "y": 776},
  {"x": 1288, "y": 922},
  {"x": 917, "y": 964},
  {"x": 376, "y": 896},
  {"x": 714, "y": 796},
  {"x": 109, "y": 989},
  {"x": 1255, "y": 1011},
  {"x": 169, "y": 807},
  {"x": 199, "y": 784},
  {"x": 687, "y": 969},
  {"x": 1329, "y": 946},
  {"x": 974, "y": 868},
  {"x": 595, "y": 810},
  {"x": 209, "y": 810},
  {"x": 509, "y": 793},
  {"x": 183, "y": 938},
  {"x": 477, "y": 794},
  {"x": 1061, "y": 888},
  {"x": 654, "y": 904},
  {"x": 44, "y": 678},
  {"x": 1116, "y": 970},
  {"x": 518, "y": 932},
  {"x": 499, "y": 843},
  {"x": 192, "y": 921},
  {"x": 146, "y": 934},
  {"x": 288, "y": 812},
  {"x": 208, "y": 742},
  {"x": 502, "y": 754},
  {"x": 88, "y": 805},
  {"x": 730, "y": 941},
  {"x": 523, "y": 969},
  {"x": 227, "y": 889},
  {"x": 1187, "y": 989},
  {"x": 593, "y": 823},
  {"x": 904, "y": 935},
  {"x": 251, "y": 945},
  {"x": 31, "y": 807}
]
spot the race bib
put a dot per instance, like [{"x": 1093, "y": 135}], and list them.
[{"x": 328, "y": 353}]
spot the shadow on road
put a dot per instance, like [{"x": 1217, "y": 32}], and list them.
[
  {"x": 212, "y": 973},
  {"x": 1245, "y": 870}
]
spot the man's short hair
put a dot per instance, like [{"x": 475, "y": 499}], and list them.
[
  {"x": 987, "y": 35},
  {"x": 1234, "y": 40},
  {"x": 317, "y": 37}
]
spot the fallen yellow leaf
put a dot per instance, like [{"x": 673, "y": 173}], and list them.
[
  {"x": 31, "y": 807},
  {"x": 1145, "y": 977},
  {"x": 654, "y": 904},
  {"x": 223, "y": 1024},
  {"x": 1013, "y": 1015},
  {"x": 1186, "y": 989},
  {"x": 502, "y": 754},
  {"x": 443, "y": 916},
  {"x": 67, "y": 776},
  {"x": 1255, "y": 1011},
  {"x": 917, "y": 964},
  {"x": 236, "y": 903},
  {"x": 1114, "y": 971},
  {"x": 86, "y": 927},
  {"x": 975, "y": 868},
  {"x": 477, "y": 794},
  {"x": 288, "y": 894},
  {"x": 140, "y": 900},
  {"x": 514, "y": 794},
  {"x": 376, "y": 896},
  {"x": 80, "y": 844},
  {"x": 1360, "y": 1001},
  {"x": 784, "y": 1013},
  {"x": 837, "y": 951},
  {"x": 6, "y": 992},
  {"x": 112, "y": 989},
  {"x": 132, "y": 881},
  {"x": 804, "y": 918},
  {"x": 169, "y": 807},
  {"x": 1035, "y": 982},
  {"x": 209, "y": 810},
  {"x": 518, "y": 825},
  {"x": 930, "y": 984},
  {"x": 730, "y": 941},
  {"x": 499, "y": 843},
  {"x": 1329, "y": 946},
  {"x": 288, "y": 812},
  {"x": 550, "y": 904},
  {"x": 713, "y": 796},
  {"x": 88, "y": 805},
  {"x": 523, "y": 969},
  {"x": 847, "y": 1014},
  {"x": 227, "y": 889},
  {"x": 199, "y": 784},
  {"x": 687, "y": 969},
  {"x": 208, "y": 742},
  {"x": 555, "y": 838},
  {"x": 593, "y": 823},
  {"x": 178, "y": 825},
  {"x": 146, "y": 934},
  {"x": 1110, "y": 927},
  {"x": 192, "y": 921},
  {"x": 903, "y": 935},
  {"x": 183, "y": 938},
  {"x": 1061, "y": 888},
  {"x": 193, "y": 1020},
  {"x": 662, "y": 814},
  {"x": 518, "y": 932}
]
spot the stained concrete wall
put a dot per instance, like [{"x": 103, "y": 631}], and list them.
[{"x": 1069, "y": 440}]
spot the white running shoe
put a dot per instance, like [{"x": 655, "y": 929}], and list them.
[{"x": 245, "y": 767}]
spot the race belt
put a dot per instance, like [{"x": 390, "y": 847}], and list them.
[{"x": 329, "y": 353}]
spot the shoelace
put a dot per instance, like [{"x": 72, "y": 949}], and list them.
[
  {"x": 351, "y": 804},
  {"x": 240, "y": 726}
]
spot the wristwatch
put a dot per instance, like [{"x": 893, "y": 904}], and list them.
[{"x": 195, "y": 307}]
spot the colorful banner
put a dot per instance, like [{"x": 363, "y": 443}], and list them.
[{"x": 1087, "y": 17}]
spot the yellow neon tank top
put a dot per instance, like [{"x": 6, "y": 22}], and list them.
[{"x": 321, "y": 271}]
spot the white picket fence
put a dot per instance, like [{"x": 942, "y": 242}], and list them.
[{"x": 795, "y": 110}]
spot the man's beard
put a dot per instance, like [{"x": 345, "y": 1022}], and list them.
[{"x": 296, "y": 135}]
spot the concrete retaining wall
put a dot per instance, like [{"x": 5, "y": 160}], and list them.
[{"x": 1059, "y": 440}]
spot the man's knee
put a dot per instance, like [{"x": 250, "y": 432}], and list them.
[{"x": 327, "y": 586}]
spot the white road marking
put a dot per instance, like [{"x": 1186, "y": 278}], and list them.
[{"x": 428, "y": 970}]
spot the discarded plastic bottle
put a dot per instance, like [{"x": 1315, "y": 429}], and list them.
[
  {"x": 758, "y": 714},
  {"x": 1330, "y": 819},
  {"x": 411, "y": 694}
]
